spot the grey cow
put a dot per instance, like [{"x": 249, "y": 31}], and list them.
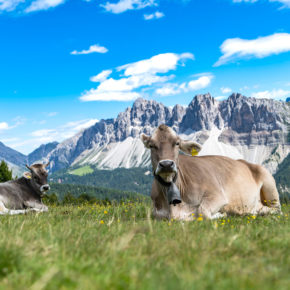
[{"x": 25, "y": 193}]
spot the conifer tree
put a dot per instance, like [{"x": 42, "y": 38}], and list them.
[{"x": 5, "y": 173}]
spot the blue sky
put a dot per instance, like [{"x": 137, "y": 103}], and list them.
[{"x": 66, "y": 64}]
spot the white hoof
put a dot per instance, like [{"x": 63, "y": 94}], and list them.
[{"x": 218, "y": 215}]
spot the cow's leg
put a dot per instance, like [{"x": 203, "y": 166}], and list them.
[
  {"x": 269, "y": 194},
  {"x": 4, "y": 210},
  {"x": 211, "y": 205},
  {"x": 36, "y": 206}
]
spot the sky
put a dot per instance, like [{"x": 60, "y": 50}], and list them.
[{"x": 65, "y": 64}]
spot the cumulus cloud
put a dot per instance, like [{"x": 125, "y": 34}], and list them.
[
  {"x": 9, "y": 5},
  {"x": 101, "y": 76},
  {"x": 4, "y": 126},
  {"x": 125, "y": 5},
  {"x": 278, "y": 94},
  {"x": 160, "y": 63},
  {"x": 237, "y": 48},
  {"x": 225, "y": 90},
  {"x": 193, "y": 85},
  {"x": 17, "y": 122},
  {"x": 43, "y": 5},
  {"x": 133, "y": 76},
  {"x": 155, "y": 15},
  {"x": 92, "y": 49}
]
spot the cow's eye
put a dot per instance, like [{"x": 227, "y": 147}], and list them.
[
  {"x": 152, "y": 146},
  {"x": 177, "y": 143}
]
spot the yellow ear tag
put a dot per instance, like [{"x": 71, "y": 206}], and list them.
[
  {"x": 28, "y": 176},
  {"x": 193, "y": 152}
]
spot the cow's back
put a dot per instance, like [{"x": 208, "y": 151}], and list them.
[
  {"x": 231, "y": 179},
  {"x": 11, "y": 195}
]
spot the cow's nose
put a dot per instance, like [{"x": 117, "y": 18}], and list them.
[
  {"x": 45, "y": 187},
  {"x": 166, "y": 164}
]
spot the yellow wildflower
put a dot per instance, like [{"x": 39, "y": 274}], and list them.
[
  {"x": 105, "y": 212},
  {"x": 200, "y": 219},
  {"x": 101, "y": 222}
]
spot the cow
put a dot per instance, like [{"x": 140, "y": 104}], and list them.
[
  {"x": 24, "y": 194},
  {"x": 186, "y": 187}
]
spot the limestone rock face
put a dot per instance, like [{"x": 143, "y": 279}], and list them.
[{"x": 239, "y": 127}]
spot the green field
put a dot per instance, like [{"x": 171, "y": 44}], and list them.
[
  {"x": 122, "y": 247},
  {"x": 82, "y": 171}
]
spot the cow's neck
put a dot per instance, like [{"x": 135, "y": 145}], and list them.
[{"x": 27, "y": 183}]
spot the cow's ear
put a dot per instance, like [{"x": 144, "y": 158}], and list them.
[
  {"x": 27, "y": 175},
  {"x": 189, "y": 147},
  {"x": 145, "y": 139}
]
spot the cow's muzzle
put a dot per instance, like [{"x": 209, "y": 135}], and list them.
[
  {"x": 44, "y": 188},
  {"x": 166, "y": 166}
]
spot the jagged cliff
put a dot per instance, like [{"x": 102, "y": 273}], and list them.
[{"x": 239, "y": 127}]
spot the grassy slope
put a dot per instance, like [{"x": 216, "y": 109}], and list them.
[
  {"x": 82, "y": 171},
  {"x": 109, "y": 247}
]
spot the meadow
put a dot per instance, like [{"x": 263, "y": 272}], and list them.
[{"x": 120, "y": 246}]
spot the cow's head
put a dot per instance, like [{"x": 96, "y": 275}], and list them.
[
  {"x": 37, "y": 175},
  {"x": 165, "y": 145}
]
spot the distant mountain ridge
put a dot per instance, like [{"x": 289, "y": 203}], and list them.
[
  {"x": 17, "y": 160},
  {"x": 240, "y": 127}
]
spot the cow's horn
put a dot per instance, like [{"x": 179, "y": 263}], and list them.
[
  {"x": 47, "y": 164},
  {"x": 28, "y": 167}
]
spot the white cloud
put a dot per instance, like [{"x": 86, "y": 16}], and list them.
[
  {"x": 125, "y": 5},
  {"x": 200, "y": 83},
  {"x": 225, "y": 90},
  {"x": 279, "y": 94},
  {"x": 4, "y": 126},
  {"x": 155, "y": 15},
  {"x": 49, "y": 135},
  {"x": 17, "y": 122},
  {"x": 220, "y": 98},
  {"x": 168, "y": 90},
  {"x": 101, "y": 76},
  {"x": 9, "y": 5},
  {"x": 160, "y": 63},
  {"x": 286, "y": 3},
  {"x": 237, "y": 48},
  {"x": 43, "y": 5},
  {"x": 193, "y": 85},
  {"x": 92, "y": 49},
  {"x": 134, "y": 76}
]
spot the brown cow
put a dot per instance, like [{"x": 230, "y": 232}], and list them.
[{"x": 211, "y": 186}]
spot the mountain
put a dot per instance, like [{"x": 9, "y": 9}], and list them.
[
  {"x": 239, "y": 127},
  {"x": 17, "y": 161},
  {"x": 12, "y": 156},
  {"x": 41, "y": 152}
]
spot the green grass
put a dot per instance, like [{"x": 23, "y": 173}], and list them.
[
  {"x": 121, "y": 247},
  {"x": 82, "y": 171}
]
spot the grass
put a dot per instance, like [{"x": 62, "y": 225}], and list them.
[
  {"x": 82, "y": 171},
  {"x": 121, "y": 247}
]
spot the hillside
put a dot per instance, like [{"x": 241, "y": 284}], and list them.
[
  {"x": 61, "y": 190},
  {"x": 133, "y": 179}
]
